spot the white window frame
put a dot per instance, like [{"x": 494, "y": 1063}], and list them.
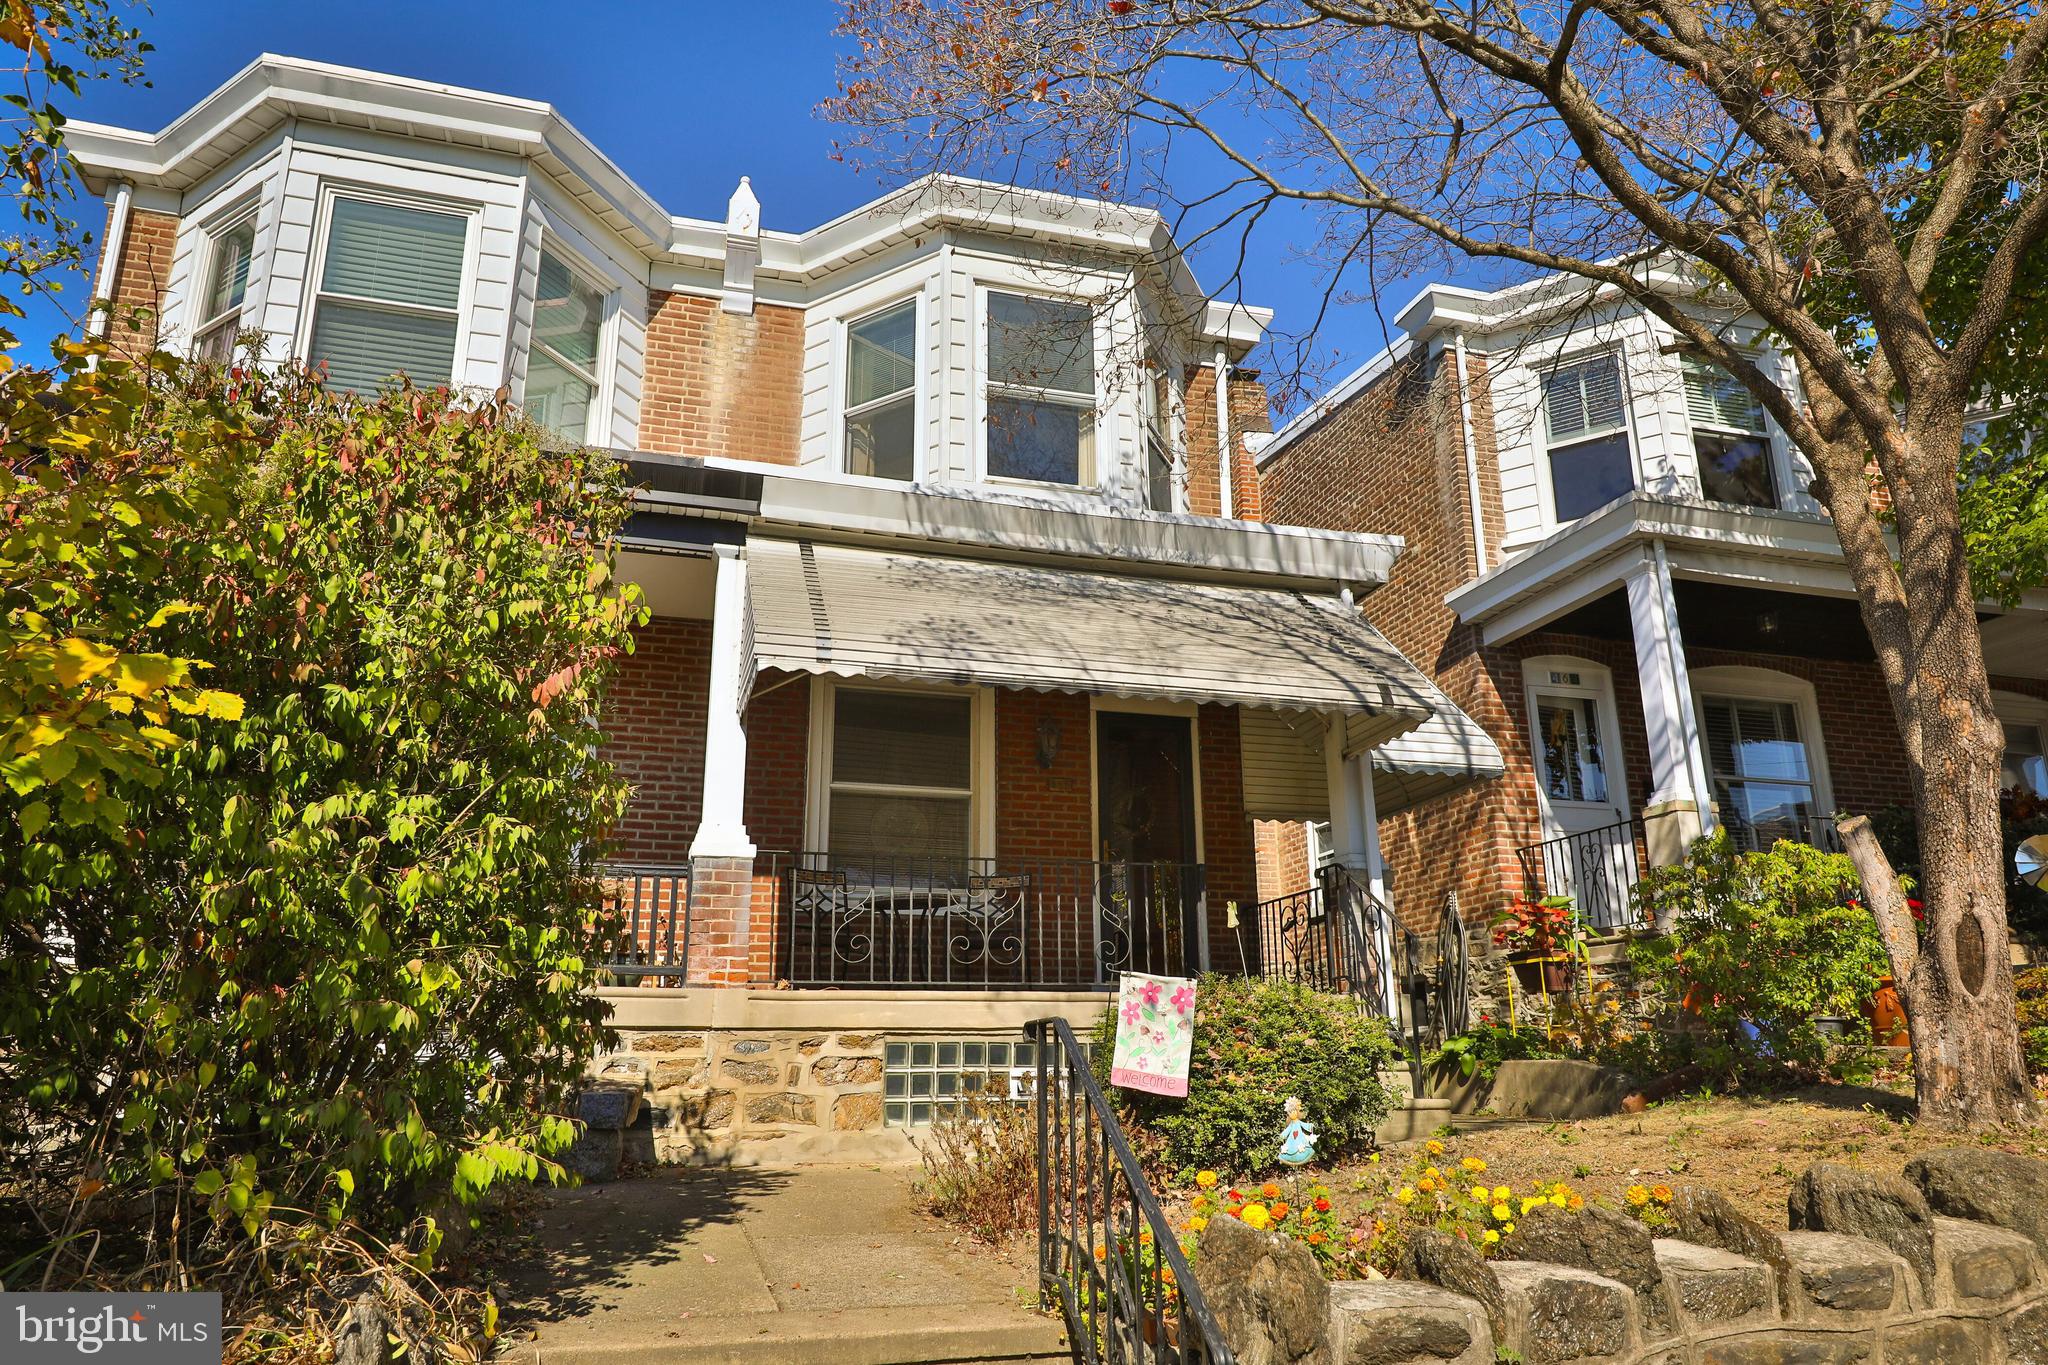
[
  {"x": 1546, "y": 481},
  {"x": 239, "y": 216},
  {"x": 2021, "y": 711},
  {"x": 1155, "y": 426},
  {"x": 842, "y": 344},
  {"x": 597, "y": 427},
  {"x": 316, "y": 267},
  {"x": 1595, "y": 684},
  {"x": 1743, "y": 683},
  {"x": 1781, "y": 474},
  {"x": 1092, "y": 478},
  {"x": 981, "y": 825}
]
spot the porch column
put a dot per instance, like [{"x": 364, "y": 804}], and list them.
[
  {"x": 1376, "y": 876},
  {"x": 1355, "y": 827},
  {"x": 721, "y": 855},
  {"x": 1680, "y": 799}
]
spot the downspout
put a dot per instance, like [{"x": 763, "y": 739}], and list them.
[
  {"x": 1471, "y": 459},
  {"x": 1224, "y": 492},
  {"x": 110, "y": 260}
]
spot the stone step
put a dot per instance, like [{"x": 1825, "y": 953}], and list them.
[{"x": 853, "y": 1336}]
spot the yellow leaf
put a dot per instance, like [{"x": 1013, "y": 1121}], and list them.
[
  {"x": 140, "y": 674},
  {"x": 219, "y": 705},
  {"x": 79, "y": 660}
]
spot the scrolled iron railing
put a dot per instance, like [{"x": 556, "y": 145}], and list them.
[
  {"x": 1597, "y": 868},
  {"x": 1106, "y": 1252},
  {"x": 651, "y": 903},
  {"x": 983, "y": 923},
  {"x": 1335, "y": 936}
]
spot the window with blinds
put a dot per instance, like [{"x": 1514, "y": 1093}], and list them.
[
  {"x": 1757, "y": 761},
  {"x": 1041, "y": 389},
  {"x": 1730, "y": 438},
  {"x": 881, "y": 394},
  {"x": 227, "y": 285},
  {"x": 561, "y": 369},
  {"x": 1585, "y": 414},
  {"x": 901, "y": 797},
  {"x": 390, "y": 285}
]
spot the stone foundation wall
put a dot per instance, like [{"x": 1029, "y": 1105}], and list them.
[{"x": 1946, "y": 1265}]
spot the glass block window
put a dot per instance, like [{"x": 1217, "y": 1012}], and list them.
[{"x": 925, "y": 1078}]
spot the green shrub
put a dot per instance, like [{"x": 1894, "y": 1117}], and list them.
[
  {"x": 1257, "y": 1042},
  {"x": 327, "y": 962},
  {"x": 1761, "y": 945},
  {"x": 1481, "y": 1049},
  {"x": 2030, "y": 992}
]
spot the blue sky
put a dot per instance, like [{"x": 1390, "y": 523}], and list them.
[{"x": 686, "y": 96}]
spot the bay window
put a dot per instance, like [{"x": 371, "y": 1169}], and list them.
[
  {"x": 1586, "y": 419},
  {"x": 881, "y": 394},
  {"x": 389, "y": 292},
  {"x": 1730, "y": 438},
  {"x": 561, "y": 369},
  {"x": 227, "y": 285},
  {"x": 1041, "y": 390}
]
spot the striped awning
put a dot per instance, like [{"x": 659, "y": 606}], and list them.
[{"x": 874, "y": 613}]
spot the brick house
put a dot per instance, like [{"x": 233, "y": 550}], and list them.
[
  {"x": 971, "y": 667},
  {"x": 1615, "y": 567}
]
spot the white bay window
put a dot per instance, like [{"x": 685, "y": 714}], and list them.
[
  {"x": 881, "y": 394},
  {"x": 1730, "y": 438},
  {"x": 389, "y": 294},
  {"x": 1585, "y": 411},
  {"x": 561, "y": 370},
  {"x": 227, "y": 285},
  {"x": 1040, "y": 389}
]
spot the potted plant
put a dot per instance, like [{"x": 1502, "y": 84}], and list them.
[{"x": 1539, "y": 939}]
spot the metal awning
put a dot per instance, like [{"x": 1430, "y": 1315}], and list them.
[{"x": 859, "y": 612}]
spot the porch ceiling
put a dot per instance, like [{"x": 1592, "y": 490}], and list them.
[{"x": 860, "y": 612}]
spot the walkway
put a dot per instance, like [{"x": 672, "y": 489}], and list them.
[{"x": 819, "y": 1263}]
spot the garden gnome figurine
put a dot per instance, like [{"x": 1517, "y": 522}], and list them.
[{"x": 1297, "y": 1139}]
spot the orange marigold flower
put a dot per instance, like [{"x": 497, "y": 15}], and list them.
[
  {"x": 1661, "y": 1193},
  {"x": 1279, "y": 1209},
  {"x": 1316, "y": 1239},
  {"x": 1270, "y": 1190},
  {"x": 1322, "y": 1206}
]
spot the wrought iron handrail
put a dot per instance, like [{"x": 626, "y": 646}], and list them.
[
  {"x": 652, "y": 901},
  {"x": 1105, "y": 1249},
  {"x": 1334, "y": 936}
]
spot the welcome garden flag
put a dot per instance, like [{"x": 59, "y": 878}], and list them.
[{"x": 1155, "y": 1033}]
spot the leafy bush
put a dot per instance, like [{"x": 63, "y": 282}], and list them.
[
  {"x": 981, "y": 1167},
  {"x": 1479, "y": 1051},
  {"x": 1257, "y": 1042},
  {"x": 2030, "y": 991},
  {"x": 323, "y": 964},
  {"x": 1761, "y": 945}
]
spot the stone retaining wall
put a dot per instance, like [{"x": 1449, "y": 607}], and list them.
[{"x": 1946, "y": 1265}]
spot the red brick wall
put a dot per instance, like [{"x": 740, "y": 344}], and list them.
[
  {"x": 654, "y": 734},
  {"x": 139, "y": 278},
  {"x": 778, "y": 761},
  {"x": 1250, "y": 410},
  {"x": 1043, "y": 812},
  {"x": 1283, "y": 857},
  {"x": 1227, "y": 850},
  {"x": 719, "y": 383},
  {"x": 1391, "y": 460}
]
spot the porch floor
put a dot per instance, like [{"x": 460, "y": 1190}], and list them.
[{"x": 819, "y": 1263}]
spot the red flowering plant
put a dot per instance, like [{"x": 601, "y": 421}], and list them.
[{"x": 1536, "y": 928}]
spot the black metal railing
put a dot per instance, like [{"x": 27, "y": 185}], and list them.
[
  {"x": 1436, "y": 974},
  {"x": 1106, "y": 1252},
  {"x": 1597, "y": 868},
  {"x": 652, "y": 904},
  {"x": 1335, "y": 936},
  {"x": 980, "y": 923}
]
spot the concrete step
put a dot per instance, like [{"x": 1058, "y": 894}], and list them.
[{"x": 849, "y": 1336}]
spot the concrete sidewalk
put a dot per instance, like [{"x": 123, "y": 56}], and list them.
[{"x": 819, "y": 1263}]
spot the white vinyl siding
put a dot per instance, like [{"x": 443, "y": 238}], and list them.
[{"x": 389, "y": 295}]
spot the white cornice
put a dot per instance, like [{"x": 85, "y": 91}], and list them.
[{"x": 273, "y": 89}]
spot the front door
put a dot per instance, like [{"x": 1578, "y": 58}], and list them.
[
  {"x": 1149, "y": 884},
  {"x": 1588, "y": 850}
]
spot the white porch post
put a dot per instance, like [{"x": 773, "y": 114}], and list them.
[
  {"x": 1376, "y": 874},
  {"x": 722, "y": 827},
  {"x": 1355, "y": 831},
  {"x": 1680, "y": 799}
]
